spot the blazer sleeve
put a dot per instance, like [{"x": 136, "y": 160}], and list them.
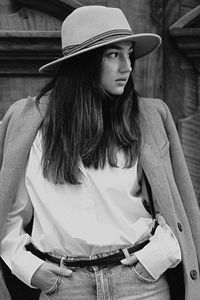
[
  {"x": 4, "y": 205},
  {"x": 17, "y": 132},
  {"x": 3, "y": 129},
  {"x": 183, "y": 180}
]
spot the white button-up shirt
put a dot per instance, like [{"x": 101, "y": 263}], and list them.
[{"x": 105, "y": 210}]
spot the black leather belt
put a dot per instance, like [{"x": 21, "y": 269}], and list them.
[{"x": 106, "y": 258}]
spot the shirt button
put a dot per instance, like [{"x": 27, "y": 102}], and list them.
[
  {"x": 193, "y": 274},
  {"x": 180, "y": 227}
]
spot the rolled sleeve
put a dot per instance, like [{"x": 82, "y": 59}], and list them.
[
  {"x": 25, "y": 266},
  {"x": 161, "y": 253},
  {"x": 22, "y": 263}
]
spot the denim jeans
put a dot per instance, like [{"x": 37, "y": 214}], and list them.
[{"x": 116, "y": 282}]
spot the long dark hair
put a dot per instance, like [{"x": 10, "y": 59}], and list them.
[{"x": 83, "y": 123}]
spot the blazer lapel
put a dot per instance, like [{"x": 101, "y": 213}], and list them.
[{"x": 154, "y": 169}]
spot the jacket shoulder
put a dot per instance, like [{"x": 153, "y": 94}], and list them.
[
  {"x": 20, "y": 106},
  {"x": 153, "y": 107},
  {"x": 153, "y": 103},
  {"x": 24, "y": 107}
]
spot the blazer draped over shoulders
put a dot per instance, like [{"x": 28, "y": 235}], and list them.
[{"x": 161, "y": 159}]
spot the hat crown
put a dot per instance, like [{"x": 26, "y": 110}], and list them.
[
  {"x": 88, "y": 22},
  {"x": 90, "y": 27}
]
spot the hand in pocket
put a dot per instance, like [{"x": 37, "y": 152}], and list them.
[{"x": 46, "y": 275}]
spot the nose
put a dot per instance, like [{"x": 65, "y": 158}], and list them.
[{"x": 125, "y": 66}]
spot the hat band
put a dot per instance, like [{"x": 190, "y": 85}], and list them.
[{"x": 98, "y": 39}]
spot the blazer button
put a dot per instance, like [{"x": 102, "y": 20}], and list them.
[
  {"x": 193, "y": 274},
  {"x": 180, "y": 227}
]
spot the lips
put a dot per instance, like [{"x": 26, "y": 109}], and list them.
[{"x": 121, "y": 79}]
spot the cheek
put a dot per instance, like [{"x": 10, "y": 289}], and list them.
[{"x": 106, "y": 74}]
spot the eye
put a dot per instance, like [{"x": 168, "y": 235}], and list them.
[{"x": 112, "y": 54}]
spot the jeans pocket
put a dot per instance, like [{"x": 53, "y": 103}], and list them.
[
  {"x": 142, "y": 274},
  {"x": 55, "y": 286}
]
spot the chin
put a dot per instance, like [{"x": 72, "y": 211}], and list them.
[{"x": 117, "y": 92}]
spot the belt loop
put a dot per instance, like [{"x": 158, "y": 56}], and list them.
[
  {"x": 62, "y": 261},
  {"x": 126, "y": 253}
]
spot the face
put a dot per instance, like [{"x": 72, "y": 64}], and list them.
[{"x": 116, "y": 67}]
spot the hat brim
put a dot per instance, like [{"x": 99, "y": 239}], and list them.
[{"x": 144, "y": 44}]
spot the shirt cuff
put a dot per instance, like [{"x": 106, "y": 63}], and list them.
[
  {"x": 161, "y": 253},
  {"x": 25, "y": 265}
]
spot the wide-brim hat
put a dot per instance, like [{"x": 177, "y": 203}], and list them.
[{"x": 91, "y": 27}]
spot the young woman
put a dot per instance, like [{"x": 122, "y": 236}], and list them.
[{"x": 103, "y": 174}]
